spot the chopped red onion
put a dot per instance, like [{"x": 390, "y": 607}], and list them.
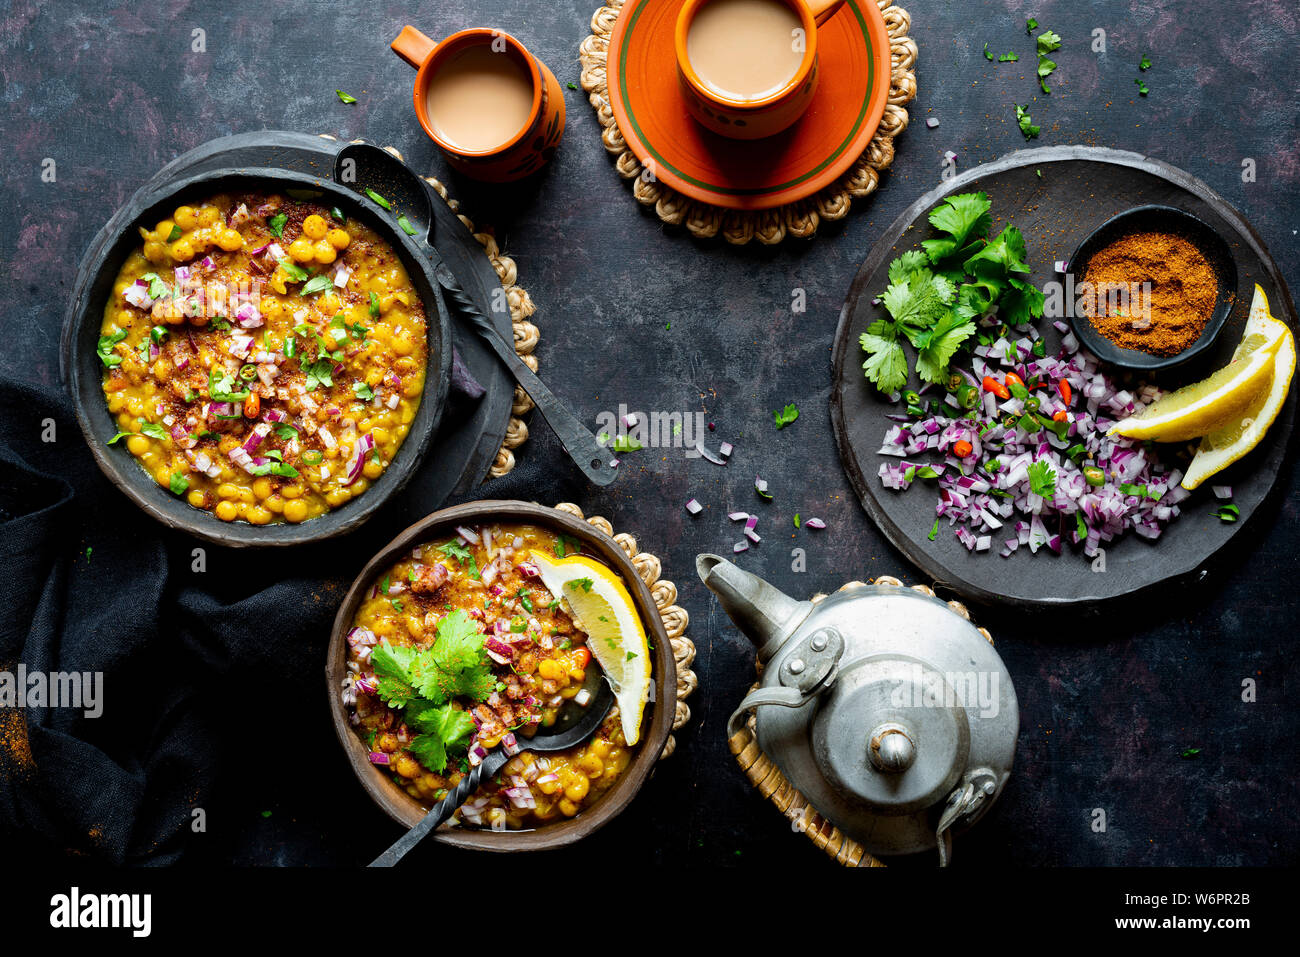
[
  {"x": 694, "y": 507},
  {"x": 814, "y": 523},
  {"x": 707, "y": 455}
]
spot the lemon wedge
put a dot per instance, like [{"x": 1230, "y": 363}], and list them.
[
  {"x": 1227, "y": 444},
  {"x": 1216, "y": 402},
  {"x": 601, "y": 606}
]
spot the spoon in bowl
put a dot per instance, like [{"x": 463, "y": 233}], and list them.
[
  {"x": 370, "y": 170},
  {"x": 574, "y": 725}
]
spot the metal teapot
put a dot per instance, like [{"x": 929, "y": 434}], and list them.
[{"x": 890, "y": 712}]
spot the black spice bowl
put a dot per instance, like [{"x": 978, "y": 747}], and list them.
[{"x": 1166, "y": 219}]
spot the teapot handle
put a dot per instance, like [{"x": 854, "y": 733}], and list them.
[
  {"x": 978, "y": 785},
  {"x": 783, "y": 697}
]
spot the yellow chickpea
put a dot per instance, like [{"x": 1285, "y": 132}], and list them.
[
  {"x": 209, "y": 215},
  {"x": 262, "y": 488},
  {"x": 411, "y": 387},
  {"x": 227, "y": 511},
  {"x": 227, "y": 443},
  {"x": 593, "y": 766},
  {"x": 291, "y": 491},
  {"x": 227, "y": 491},
  {"x": 185, "y": 218},
  {"x": 115, "y": 404},
  {"x": 402, "y": 345},
  {"x": 550, "y": 669},
  {"x": 314, "y": 227},
  {"x": 328, "y": 304},
  {"x": 164, "y": 230},
  {"x": 275, "y": 503},
  {"x": 258, "y": 515},
  {"x": 324, "y": 252},
  {"x": 195, "y": 498},
  {"x": 406, "y": 766},
  {"x": 137, "y": 445},
  {"x": 155, "y": 252},
  {"x": 182, "y": 250},
  {"x": 338, "y": 238},
  {"x": 295, "y": 510},
  {"x": 372, "y": 469},
  {"x": 337, "y": 497},
  {"x": 567, "y": 807},
  {"x": 300, "y": 250},
  {"x": 230, "y": 240},
  {"x": 600, "y": 747}
]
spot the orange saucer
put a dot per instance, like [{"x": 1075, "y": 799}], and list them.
[{"x": 853, "y": 52}]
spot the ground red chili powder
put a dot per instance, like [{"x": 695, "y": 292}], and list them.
[{"x": 1183, "y": 291}]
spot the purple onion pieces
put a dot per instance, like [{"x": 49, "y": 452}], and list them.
[
  {"x": 694, "y": 507},
  {"x": 707, "y": 455},
  {"x": 814, "y": 523}
]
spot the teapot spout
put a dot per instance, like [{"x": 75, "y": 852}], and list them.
[{"x": 764, "y": 613}]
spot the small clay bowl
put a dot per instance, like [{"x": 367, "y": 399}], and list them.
[
  {"x": 656, "y": 725},
  {"x": 1166, "y": 219}
]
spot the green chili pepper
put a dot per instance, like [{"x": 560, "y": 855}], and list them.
[
  {"x": 1094, "y": 476},
  {"x": 248, "y": 373},
  {"x": 1032, "y": 404},
  {"x": 968, "y": 396}
]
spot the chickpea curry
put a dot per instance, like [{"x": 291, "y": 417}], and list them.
[
  {"x": 461, "y": 648},
  {"x": 263, "y": 356}
]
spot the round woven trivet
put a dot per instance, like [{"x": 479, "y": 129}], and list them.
[
  {"x": 773, "y": 785},
  {"x": 768, "y": 226},
  {"x": 674, "y": 616},
  {"x": 527, "y": 335}
]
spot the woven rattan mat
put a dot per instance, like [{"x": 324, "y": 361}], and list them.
[
  {"x": 675, "y": 618},
  {"x": 773, "y": 785},
  {"x": 768, "y": 226}
]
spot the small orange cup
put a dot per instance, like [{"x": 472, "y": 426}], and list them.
[
  {"x": 751, "y": 119},
  {"x": 524, "y": 153}
]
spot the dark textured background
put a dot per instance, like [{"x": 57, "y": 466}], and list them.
[{"x": 1108, "y": 704}]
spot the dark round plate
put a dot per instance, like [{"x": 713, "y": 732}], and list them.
[
  {"x": 85, "y": 372},
  {"x": 467, "y": 438},
  {"x": 1057, "y": 196},
  {"x": 1167, "y": 219}
]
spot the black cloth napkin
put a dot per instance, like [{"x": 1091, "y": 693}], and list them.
[{"x": 187, "y": 657}]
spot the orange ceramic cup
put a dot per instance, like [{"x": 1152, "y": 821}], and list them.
[
  {"x": 523, "y": 153},
  {"x": 751, "y": 119}
]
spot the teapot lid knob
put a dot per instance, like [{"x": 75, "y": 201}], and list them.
[{"x": 892, "y": 748}]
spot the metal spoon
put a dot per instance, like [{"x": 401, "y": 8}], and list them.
[
  {"x": 574, "y": 726},
  {"x": 363, "y": 166}
]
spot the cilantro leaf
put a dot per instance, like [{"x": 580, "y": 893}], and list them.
[
  {"x": 1026, "y": 122},
  {"x": 965, "y": 217},
  {"x": 295, "y": 272},
  {"x": 457, "y": 664},
  {"x": 317, "y": 284},
  {"x": 1047, "y": 42},
  {"x": 906, "y": 264},
  {"x": 987, "y": 54},
  {"x": 345, "y": 97},
  {"x": 1145, "y": 63},
  {"x": 277, "y": 223},
  {"x": 392, "y": 669},
  {"x": 104, "y": 349},
  {"x": 785, "y": 416},
  {"x": 886, "y": 365},
  {"x": 944, "y": 340},
  {"x": 1042, "y": 478},
  {"x": 443, "y": 729},
  {"x": 1143, "y": 90}
]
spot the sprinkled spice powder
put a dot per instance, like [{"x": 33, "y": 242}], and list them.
[{"x": 1183, "y": 291}]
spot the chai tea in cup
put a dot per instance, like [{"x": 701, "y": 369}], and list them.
[
  {"x": 479, "y": 98},
  {"x": 746, "y": 49}
]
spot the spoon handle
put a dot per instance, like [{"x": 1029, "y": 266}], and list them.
[
  {"x": 443, "y": 810},
  {"x": 590, "y": 456}
]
